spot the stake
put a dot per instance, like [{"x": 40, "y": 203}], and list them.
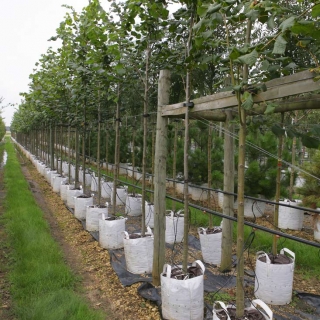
[{"x": 160, "y": 178}]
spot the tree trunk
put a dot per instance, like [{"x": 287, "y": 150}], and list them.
[
  {"x": 209, "y": 171},
  {"x": 278, "y": 186},
  {"x": 144, "y": 148},
  {"x": 116, "y": 156}
]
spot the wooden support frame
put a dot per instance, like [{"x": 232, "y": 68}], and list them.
[{"x": 298, "y": 83}]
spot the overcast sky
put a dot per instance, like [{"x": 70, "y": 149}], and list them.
[{"x": 25, "y": 27}]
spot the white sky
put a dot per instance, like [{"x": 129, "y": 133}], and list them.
[{"x": 25, "y": 27}]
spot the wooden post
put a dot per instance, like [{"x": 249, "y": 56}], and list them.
[
  {"x": 160, "y": 178},
  {"x": 228, "y": 200},
  {"x": 278, "y": 186}
]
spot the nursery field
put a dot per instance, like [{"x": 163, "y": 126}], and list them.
[{"x": 100, "y": 285}]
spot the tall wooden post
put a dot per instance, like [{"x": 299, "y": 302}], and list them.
[
  {"x": 228, "y": 200},
  {"x": 160, "y": 178}
]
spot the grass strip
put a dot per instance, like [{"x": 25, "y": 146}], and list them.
[{"x": 42, "y": 285}]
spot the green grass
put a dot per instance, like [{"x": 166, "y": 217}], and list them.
[{"x": 42, "y": 285}]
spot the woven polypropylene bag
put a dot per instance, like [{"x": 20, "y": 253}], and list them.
[{"x": 182, "y": 299}]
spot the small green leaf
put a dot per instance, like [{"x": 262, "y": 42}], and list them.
[
  {"x": 265, "y": 65},
  {"x": 207, "y": 34},
  {"x": 235, "y": 54},
  {"x": 315, "y": 11},
  {"x": 247, "y": 100},
  {"x": 310, "y": 142},
  {"x": 252, "y": 15},
  {"x": 288, "y": 23},
  {"x": 270, "y": 108},
  {"x": 202, "y": 10},
  {"x": 279, "y": 45},
  {"x": 213, "y": 8},
  {"x": 249, "y": 58},
  {"x": 277, "y": 130},
  {"x": 315, "y": 129}
]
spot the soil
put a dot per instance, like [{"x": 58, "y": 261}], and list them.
[{"x": 249, "y": 314}]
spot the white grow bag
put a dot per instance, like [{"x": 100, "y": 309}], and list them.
[
  {"x": 149, "y": 218},
  {"x": 93, "y": 215},
  {"x": 267, "y": 312},
  {"x": 53, "y": 175},
  {"x": 139, "y": 253},
  {"x": 252, "y": 208},
  {"x": 106, "y": 187},
  {"x": 274, "y": 282},
  {"x": 71, "y": 194},
  {"x": 57, "y": 182},
  {"x": 80, "y": 206},
  {"x": 133, "y": 205},
  {"x": 64, "y": 190},
  {"x": 210, "y": 245},
  {"x": 121, "y": 196},
  {"x": 94, "y": 183},
  {"x": 182, "y": 299},
  {"x": 290, "y": 217},
  {"x": 174, "y": 226},
  {"x": 111, "y": 232}
]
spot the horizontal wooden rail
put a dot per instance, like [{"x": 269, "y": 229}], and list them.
[{"x": 298, "y": 83}]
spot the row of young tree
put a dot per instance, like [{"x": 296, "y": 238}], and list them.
[
  {"x": 104, "y": 75},
  {"x": 109, "y": 61}
]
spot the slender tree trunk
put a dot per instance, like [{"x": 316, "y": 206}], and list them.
[
  {"x": 69, "y": 157},
  {"x": 117, "y": 155},
  {"x": 228, "y": 200},
  {"x": 186, "y": 155},
  {"x": 51, "y": 147},
  {"x": 241, "y": 171},
  {"x": 98, "y": 151},
  {"x": 174, "y": 169},
  {"x": 209, "y": 171},
  {"x": 160, "y": 178},
  {"x": 293, "y": 160},
  {"x": 278, "y": 186},
  {"x": 107, "y": 147},
  {"x": 145, "y": 133},
  {"x": 77, "y": 158}
]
